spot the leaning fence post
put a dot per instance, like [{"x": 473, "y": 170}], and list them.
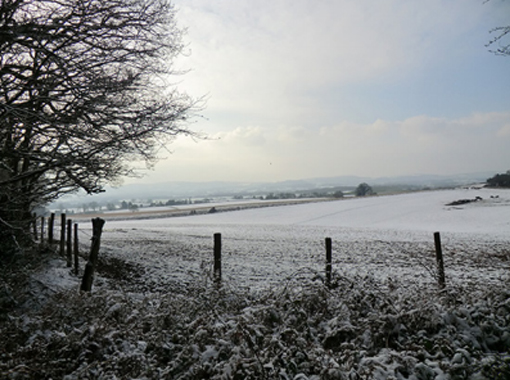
[
  {"x": 76, "y": 259},
  {"x": 217, "y": 258},
  {"x": 62, "y": 233},
  {"x": 439, "y": 260},
  {"x": 328, "y": 262},
  {"x": 51, "y": 224},
  {"x": 88, "y": 275},
  {"x": 69, "y": 243}
]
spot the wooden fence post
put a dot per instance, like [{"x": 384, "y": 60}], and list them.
[
  {"x": 42, "y": 229},
  {"x": 62, "y": 234},
  {"x": 88, "y": 275},
  {"x": 76, "y": 254},
  {"x": 217, "y": 258},
  {"x": 51, "y": 224},
  {"x": 69, "y": 243},
  {"x": 328, "y": 262},
  {"x": 439, "y": 260},
  {"x": 34, "y": 225}
]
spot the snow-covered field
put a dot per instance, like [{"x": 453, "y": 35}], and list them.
[
  {"x": 385, "y": 236},
  {"x": 154, "y": 312}
]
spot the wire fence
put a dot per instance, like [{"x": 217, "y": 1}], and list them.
[{"x": 69, "y": 247}]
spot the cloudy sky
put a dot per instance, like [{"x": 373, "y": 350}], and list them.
[{"x": 313, "y": 88}]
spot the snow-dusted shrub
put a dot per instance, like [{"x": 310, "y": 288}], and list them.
[{"x": 359, "y": 329}]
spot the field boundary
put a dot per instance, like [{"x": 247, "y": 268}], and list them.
[{"x": 199, "y": 209}]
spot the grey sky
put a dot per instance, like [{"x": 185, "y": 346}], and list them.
[{"x": 310, "y": 88}]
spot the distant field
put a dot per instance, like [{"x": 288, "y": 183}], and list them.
[
  {"x": 388, "y": 236},
  {"x": 199, "y": 208}
]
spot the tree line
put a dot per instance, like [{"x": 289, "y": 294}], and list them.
[{"x": 500, "y": 180}]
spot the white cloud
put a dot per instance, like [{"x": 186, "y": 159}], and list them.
[
  {"x": 281, "y": 73},
  {"x": 273, "y": 47},
  {"x": 384, "y": 148},
  {"x": 245, "y": 136},
  {"x": 283, "y": 62},
  {"x": 504, "y": 131}
]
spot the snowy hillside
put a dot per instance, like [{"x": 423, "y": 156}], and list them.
[
  {"x": 389, "y": 236},
  {"x": 421, "y": 211},
  {"x": 155, "y": 312}
]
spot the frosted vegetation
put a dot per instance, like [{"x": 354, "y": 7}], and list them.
[{"x": 155, "y": 311}]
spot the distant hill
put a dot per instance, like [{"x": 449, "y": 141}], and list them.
[{"x": 175, "y": 190}]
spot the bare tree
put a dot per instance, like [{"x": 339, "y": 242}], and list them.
[
  {"x": 83, "y": 91},
  {"x": 500, "y": 43},
  {"x": 501, "y": 39}
]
